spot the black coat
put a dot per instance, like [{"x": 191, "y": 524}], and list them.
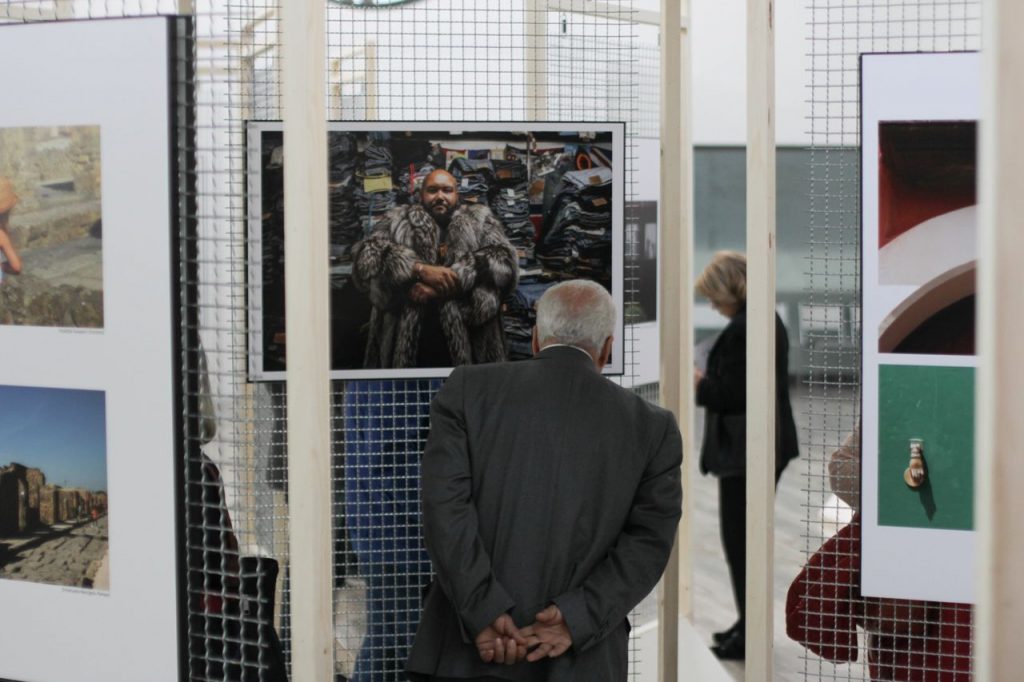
[
  {"x": 723, "y": 394},
  {"x": 543, "y": 482}
]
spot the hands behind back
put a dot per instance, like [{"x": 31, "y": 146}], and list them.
[
  {"x": 548, "y": 637},
  {"x": 501, "y": 642}
]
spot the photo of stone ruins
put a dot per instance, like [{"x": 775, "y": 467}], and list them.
[
  {"x": 51, "y": 265},
  {"x": 53, "y": 497},
  {"x": 50, "y": 534}
]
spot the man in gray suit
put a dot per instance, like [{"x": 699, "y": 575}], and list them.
[{"x": 551, "y": 498}]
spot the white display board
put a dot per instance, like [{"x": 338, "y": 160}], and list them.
[
  {"x": 919, "y": 118},
  {"x": 72, "y": 85}
]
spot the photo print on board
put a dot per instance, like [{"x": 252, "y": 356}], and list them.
[
  {"x": 51, "y": 235},
  {"x": 927, "y": 234},
  {"x": 918, "y": 198},
  {"x": 532, "y": 204},
  {"x": 53, "y": 487}
]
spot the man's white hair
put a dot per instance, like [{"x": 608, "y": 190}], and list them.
[{"x": 578, "y": 313}]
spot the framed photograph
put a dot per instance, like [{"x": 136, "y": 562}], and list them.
[
  {"x": 919, "y": 116},
  {"x": 443, "y": 236},
  {"x": 89, "y": 397}
]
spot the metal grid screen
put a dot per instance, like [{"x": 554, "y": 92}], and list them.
[
  {"x": 893, "y": 634},
  {"x": 428, "y": 61},
  {"x": 440, "y": 61}
]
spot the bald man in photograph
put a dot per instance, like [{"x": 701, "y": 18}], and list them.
[
  {"x": 436, "y": 272},
  {"x": 551, "y": 498}
]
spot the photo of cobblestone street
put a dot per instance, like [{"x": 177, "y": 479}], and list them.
[
  {"x": 73, "y": 554},
  {"x": 53, "y": 497}
]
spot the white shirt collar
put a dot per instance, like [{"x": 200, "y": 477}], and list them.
[{"x": 566, "y": 345}]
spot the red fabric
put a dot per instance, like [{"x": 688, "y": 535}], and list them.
[
  {"x": 909, "y": 641},
  {"x": 821, "y": 611}
]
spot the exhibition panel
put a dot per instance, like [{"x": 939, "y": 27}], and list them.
[
  {"x": 888, "y": 321},
  {"x": 92, "y": 409}
]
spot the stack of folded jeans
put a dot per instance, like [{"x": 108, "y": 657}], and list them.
[
  {"x": 591, "y": 177},
  {"x": 373, "y": 190},
  {"x": 510, "y": 202},
  {"x": 474, "y": 178},
  {"x": 342, "y": 156},
  {"x": 345, "y": 226},
  {"x": 577, "y": 238},
  {"x": 520, "y": 315}
]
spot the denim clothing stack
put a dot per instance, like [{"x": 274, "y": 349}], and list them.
[
  {"x": 510, "y": 202},
  {"x": 520, "y": 315},
  {"x": 345, "y": 227},
  {"x": 342, "y": 153},
  {"x": 578, "y": 228},
  {"x": 376, "y": 165},
  {"x": 474, "y": 178}
]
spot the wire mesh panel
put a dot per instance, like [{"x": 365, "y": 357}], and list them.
[
  {"x": 890, "y": 638},
  {"x": 237, "y": 512},
  {"x": 440, "y": 61}
]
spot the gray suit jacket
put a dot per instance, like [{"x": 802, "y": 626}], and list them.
[{"x": 543, "y": 482}]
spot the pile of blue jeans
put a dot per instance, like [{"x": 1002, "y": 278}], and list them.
[
  {"x": 577, "y": 239},
  {"x": 375, "y": 165},
  {"x": 474, "y": 177},
  {"x": 345, "y": 228},
  {"x": 510, "y": 202}
]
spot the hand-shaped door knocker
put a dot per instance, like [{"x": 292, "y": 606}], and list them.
[{"x": 915, "y": 474}]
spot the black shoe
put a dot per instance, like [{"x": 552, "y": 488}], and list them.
[
  {"x": 732, "y": 649},
  {"x": 720, "y": 637}
]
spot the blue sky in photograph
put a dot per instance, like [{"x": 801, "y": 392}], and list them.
[{"x": 61, "y": 431}]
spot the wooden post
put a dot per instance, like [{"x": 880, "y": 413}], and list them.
[
  {"x": 675, "y": 211},
  {"x": 760, "y": 337},
  {"x": 536, "y": 59},
  {"x": 303, "y": 42},
  {"x": 999, "y": 429}
]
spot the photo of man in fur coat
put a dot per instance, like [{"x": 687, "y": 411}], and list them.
[{"x": 436, "y": 272}]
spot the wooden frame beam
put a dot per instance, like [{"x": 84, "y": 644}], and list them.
[
  {"x": 760, "y": 338},
  {"x": 675, "y": 219},
  {"x": 999, "y": 430},
  {"x": 303, "y": 57}
]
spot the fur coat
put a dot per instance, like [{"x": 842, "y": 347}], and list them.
[{"x": 482, "y": 258}]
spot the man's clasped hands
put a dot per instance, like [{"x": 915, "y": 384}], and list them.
[{"x": 502, "y": 642}]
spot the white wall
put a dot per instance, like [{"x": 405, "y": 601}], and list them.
[{"x": 719, "y": 71}]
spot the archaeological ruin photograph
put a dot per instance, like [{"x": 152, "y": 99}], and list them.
[
  {"x": 53, "y": 487},
  {"x": 51, "y": 241}
]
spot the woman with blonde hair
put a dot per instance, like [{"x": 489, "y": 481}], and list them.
[
  {"x": 722, "y": 390},
  {"x": 11, "y": 263}
]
